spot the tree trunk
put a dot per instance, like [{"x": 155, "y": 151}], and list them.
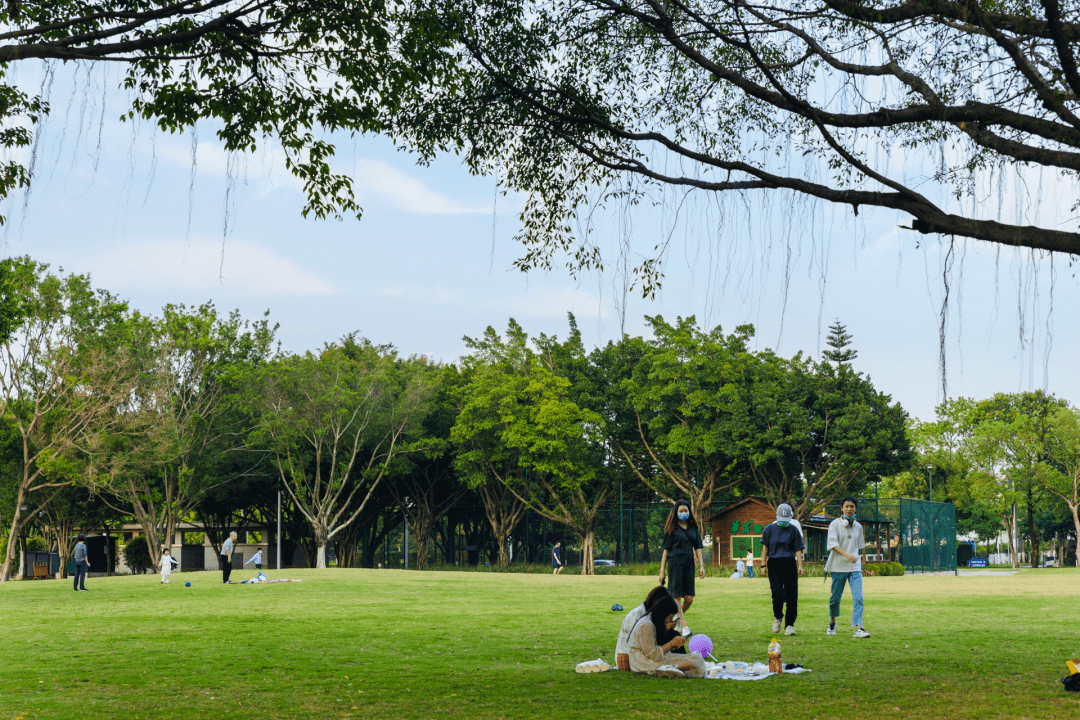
[
  {"x": 588, "y": 543},
  {"x": 1036, "y": 556},
  {"x": 502, "y": 537},
  {"x": 1074, "y": 508},
  {"x": 422, "y": 525},
  {"x": 13, "y": 535},
  {"x": 1014, "y": 550}
]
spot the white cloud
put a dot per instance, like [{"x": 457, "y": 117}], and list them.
[
  {"x": 379, "y": 180},
  {"x": 375, "y": 182},
  {"x": 203, "y": 264}
]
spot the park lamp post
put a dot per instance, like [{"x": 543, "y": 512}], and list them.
[{"x": 930, "y": 470}]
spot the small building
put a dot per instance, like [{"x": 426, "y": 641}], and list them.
[{"x": 738, "y": 527}]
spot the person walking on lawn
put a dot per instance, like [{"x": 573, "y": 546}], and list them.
[
  {"x": 226, "y": 557},
  {"x": 82, "y": 564},
  {"x": 556, "y": 558},
  {"x": 682, "y": 547},
  {"x": 782, "y": 549},
  {"x": 845, "y": 540}
]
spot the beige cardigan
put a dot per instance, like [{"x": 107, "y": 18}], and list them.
[{"x": 646, "y": 656}]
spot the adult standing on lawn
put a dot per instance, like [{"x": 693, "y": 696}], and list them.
[
  {"x": 845, "y": 540},
  {"x": 82, "y": 563},
  {"x": 226, "y": 557},
  {"x": 682, "y": 546},
  {"x": 556, "y": 558},
  {"x": 782, "y": 549}
]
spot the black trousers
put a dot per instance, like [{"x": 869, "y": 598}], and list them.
[
  {"x": 784, "y": 583},
  {"x": 226, "y": 568},
  {"x": 80, "y": 575}
]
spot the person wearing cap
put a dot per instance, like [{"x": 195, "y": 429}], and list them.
[
  {"x": 845, "y": 541},
  {"x": 782, "y": 549}
]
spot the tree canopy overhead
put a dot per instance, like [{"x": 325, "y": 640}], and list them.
[
  {"x": 833, "y": 100},
  {"x": 261, "y": 68}
]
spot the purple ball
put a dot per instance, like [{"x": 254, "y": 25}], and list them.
[{"x": 701, "y": 644}]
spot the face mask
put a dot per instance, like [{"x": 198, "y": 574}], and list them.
[
  {"x": 850, "y": 520},
  {"x": 684, "y": 516},
  {"x": 782, "y": 523}
]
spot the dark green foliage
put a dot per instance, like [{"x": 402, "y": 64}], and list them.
[
  {"x": 839, "y": 339},
  {"x": 964, "y": 552},
  {"x": 888, "y": 569},
  {"x": 137, "y": 555},
  {"x": 274, "y": 69}
]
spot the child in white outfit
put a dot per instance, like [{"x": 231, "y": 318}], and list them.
[{"x": 166, "y": 566}]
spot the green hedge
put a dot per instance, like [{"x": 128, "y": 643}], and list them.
[{"x": 889, "y": 569}]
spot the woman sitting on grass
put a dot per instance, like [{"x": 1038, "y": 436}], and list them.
[
  {"x": 652, "y": 653},
  {"x": 622, "y": 645}
]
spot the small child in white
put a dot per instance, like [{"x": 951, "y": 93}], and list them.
[
  {"x": 257, "y": 559},
  {"x": 166, "y": 565}
]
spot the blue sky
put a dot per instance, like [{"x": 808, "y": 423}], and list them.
[{"x": 431, "y": 260}]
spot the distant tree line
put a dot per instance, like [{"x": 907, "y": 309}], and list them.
[{"x": 111, "y": 415}]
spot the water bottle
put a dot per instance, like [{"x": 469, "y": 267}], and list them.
[{"x": 776, "y": 665}]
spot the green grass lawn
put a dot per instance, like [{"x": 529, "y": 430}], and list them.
[{"x": 397, "y": 644}]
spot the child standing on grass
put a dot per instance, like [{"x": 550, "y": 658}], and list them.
[
  {"x": 166, "y": 565},
  {"x": 845, "y": 540},
  {"x": 257, "y": 559}
]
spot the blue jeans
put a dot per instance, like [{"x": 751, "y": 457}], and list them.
[
  {"x": 80, "y": 575},
  {"x": 749, "y": 569},
  {"x": 855, "y": 580}
]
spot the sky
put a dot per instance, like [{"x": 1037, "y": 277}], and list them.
[{"x": 431, "y": 261}]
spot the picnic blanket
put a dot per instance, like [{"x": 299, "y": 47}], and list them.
[{"x": 734, "y": 670}]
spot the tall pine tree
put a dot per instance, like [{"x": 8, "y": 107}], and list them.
[{"x": 838, "y": 341}]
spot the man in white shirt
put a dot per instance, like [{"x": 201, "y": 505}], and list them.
[
  {"x": 226, "y": 557},
  {"x": 846, "y": 540}
]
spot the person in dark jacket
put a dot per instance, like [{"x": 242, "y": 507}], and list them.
[
  {"x": 82, "y": 564},
  {"x": 682, "y": 547},
  {"x": 782, "y": 549}
]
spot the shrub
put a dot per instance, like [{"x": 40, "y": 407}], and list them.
[
  {"x": 964, "y": 553},
  {"x": 886, "y": 569},
  {"x": 137, "y": 555}
]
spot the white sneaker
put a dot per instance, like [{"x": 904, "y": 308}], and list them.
[
  {"x": 776, "y": 626},
  {"x": 832, "y": 629},
  {"x": 860, "y": 633},
  {"x": 790, "y": 630}
]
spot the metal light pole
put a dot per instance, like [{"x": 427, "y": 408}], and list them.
[
  {"x": 279, "y": 530},
  {"x": 930, "y": 469}
]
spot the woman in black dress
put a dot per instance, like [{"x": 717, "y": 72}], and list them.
[{"x": 682, "y": 546}]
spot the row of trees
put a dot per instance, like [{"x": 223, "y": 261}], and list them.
[
  {"x": 194, "y": 414},
  {"x": 1011, "y": 463}
]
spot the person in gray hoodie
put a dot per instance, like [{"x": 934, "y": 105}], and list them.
[{"x": 82, "y": 564}]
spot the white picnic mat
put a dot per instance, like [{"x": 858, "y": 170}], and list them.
[{"x": 735, "y": 670}]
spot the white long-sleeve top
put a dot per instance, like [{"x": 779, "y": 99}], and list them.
[
  {"x": 850, "y": 540},
  {"x": 167, "y": 564},
  {"x": 622, "y": 645}
]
